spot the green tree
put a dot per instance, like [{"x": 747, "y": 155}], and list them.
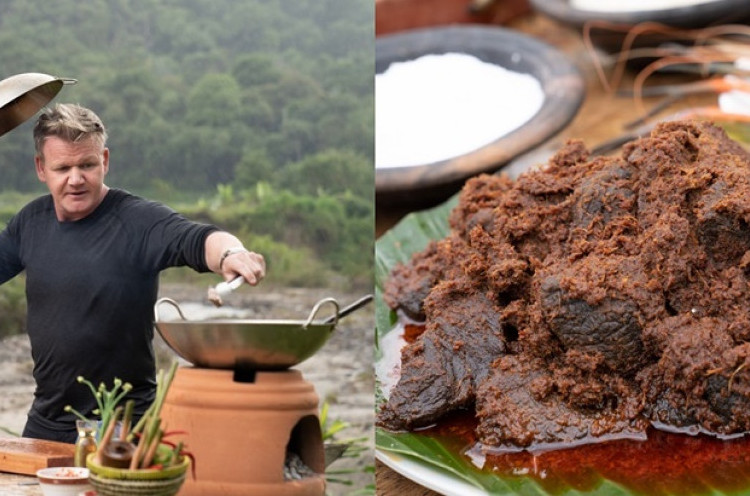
[
  {"x": 254, "y": 167},
  {"x": 255, "y": 69},
  {"x": 331, "y": 171},
  {"x": 258, "y": 113},
  {"x": 214, "y": 101},
  {"x": 202, "y": 155}
]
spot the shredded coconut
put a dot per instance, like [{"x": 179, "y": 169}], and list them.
[{"x": 437, "y": 107}]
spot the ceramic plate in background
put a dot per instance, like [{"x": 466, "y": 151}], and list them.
[{"x": 686, "y": 17}]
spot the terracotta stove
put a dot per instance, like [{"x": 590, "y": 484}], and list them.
[
  {"x": 250, "y": 420},
  {"x": 241, "y": 426}
]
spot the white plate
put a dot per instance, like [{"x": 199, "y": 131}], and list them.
[{"x": 428, "y": 476}]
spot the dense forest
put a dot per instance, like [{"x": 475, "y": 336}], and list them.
[{"x": 256, "y": 115}]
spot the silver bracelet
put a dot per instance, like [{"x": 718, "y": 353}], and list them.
[{"x": 230, "y": 251}]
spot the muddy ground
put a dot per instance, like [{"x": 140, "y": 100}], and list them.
[{"x": 341, "y": 371}]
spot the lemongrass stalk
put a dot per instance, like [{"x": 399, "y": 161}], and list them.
[
  {"x": 135, "y": 461},
  {"x": 143, "y": 421},
  {"x": 147, "y": 437},
  {"x": 152, "y": 449},
  {"x": 127, "y": 419},
  {"x": 153, "y": 430},
  {"x": 154, "y": 410},
  {"x": 108, "y": 434},
  {"x": 164, "y": 389}
]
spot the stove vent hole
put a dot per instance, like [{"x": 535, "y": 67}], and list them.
[
  {"x": 244, "y": 374},
  {"x": 304, "y": 452}
]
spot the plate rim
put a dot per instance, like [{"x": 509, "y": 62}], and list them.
[
  {"x": 427, "y": 475},
  {"x": 688, "y": 16}
]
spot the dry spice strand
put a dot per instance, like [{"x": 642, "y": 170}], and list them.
[{"x": 731, "y": 377}]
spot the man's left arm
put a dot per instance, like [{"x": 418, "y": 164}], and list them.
[{"x": 226, "y": 255}]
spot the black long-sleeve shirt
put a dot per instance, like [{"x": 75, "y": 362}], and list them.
[{"x": 91, "y": 286}]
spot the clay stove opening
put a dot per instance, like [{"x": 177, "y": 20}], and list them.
[{"x": 304, "y": 452}]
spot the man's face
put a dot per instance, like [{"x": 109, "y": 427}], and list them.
[{"x": 74, "y": 174}]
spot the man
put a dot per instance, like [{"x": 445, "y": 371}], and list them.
[{"x": 92, "y": 256}]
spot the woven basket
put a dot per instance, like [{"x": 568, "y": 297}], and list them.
[{"x": 126, "y": 487}]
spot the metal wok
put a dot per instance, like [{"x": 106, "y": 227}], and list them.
[
  {"x": 22, "y": 95},
  {"x": 250, "y": 344}
]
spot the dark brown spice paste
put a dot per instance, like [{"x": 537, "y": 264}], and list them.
[{"x": 594, "y": 297}]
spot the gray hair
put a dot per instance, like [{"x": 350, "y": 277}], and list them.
[{"x": 70, "y": 122}]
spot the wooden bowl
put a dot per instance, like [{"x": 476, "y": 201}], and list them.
[{"x": 561, "y": 82}]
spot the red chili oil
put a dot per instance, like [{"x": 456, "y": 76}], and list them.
[
  {"x": 665, "y": 463},
  {"x": 412, "y": 331}
]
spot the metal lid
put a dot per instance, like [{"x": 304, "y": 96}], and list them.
[{"x": 23, "y": 95}]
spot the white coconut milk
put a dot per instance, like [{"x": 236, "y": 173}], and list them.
[{"x": 437, "y": 107}]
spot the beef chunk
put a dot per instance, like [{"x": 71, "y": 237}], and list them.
[
  {"x": 604, "y": 196},
  {"x": 410, "y": 284},
  {"x": 723, "y": 225},
  {"x": 441, "y": 369},
  {"x": 519, "y": 405},
  {"x": 596, "y": 305},
  {"x": 611, "y": 328},
  {"x": 700, "y": 374}
]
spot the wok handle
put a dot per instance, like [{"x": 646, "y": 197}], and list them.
[
  {"x": 171, "y": 302},
  {"x": 317, "y": 307},
  {"x": 349, "y": 309}
]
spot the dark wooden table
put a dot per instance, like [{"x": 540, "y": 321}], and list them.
[{"x": 601, "y": 118}]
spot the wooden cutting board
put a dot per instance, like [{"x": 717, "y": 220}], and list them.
[{"x": 26, "y": 456}]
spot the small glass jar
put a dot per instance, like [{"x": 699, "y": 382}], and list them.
[{"x": 86, "y": 442}]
